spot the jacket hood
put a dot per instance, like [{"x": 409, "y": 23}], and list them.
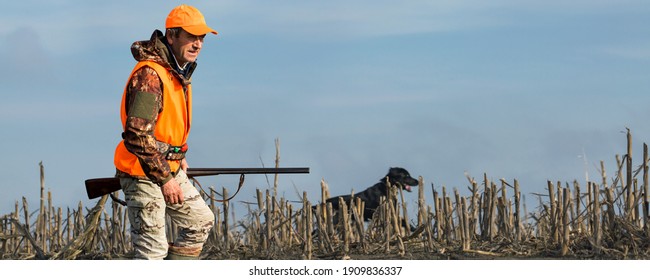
[{"x": 157, "y": 50}]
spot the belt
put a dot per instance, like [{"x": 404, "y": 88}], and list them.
[{"x": 176, "y": 152}]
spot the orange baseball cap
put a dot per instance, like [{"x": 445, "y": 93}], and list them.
[{"x": 190, "y": 19}]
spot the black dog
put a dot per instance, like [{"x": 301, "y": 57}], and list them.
[{"x": 397, "y": 176}]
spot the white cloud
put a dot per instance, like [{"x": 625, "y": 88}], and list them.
[
  {"x": 67, "y": 26},
  {"x": 350, "y": 19},
  {"x": 344, "y": 19},
  {"x": 23, "y": 51},
  {"x": 640, "y": 51}
]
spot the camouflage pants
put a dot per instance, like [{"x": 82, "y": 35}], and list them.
[{"x": 147, "y": 208}]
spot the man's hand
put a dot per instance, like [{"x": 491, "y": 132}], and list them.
[{"x": 172, "y": 192}]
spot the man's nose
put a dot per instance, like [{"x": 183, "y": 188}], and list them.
[{"x": 198, "y": 42}]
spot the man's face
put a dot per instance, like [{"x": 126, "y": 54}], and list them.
[{"x": 186, "y": 47}]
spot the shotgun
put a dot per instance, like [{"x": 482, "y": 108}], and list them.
[{"x": 97, "y": 187}]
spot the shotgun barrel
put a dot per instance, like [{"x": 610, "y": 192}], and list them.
[{"x": 97, "y": 187}]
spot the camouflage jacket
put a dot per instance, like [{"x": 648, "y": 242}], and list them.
[{"x": 144, "y": 102}]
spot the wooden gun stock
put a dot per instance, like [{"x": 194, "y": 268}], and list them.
[{"x": 97, "y": 187}]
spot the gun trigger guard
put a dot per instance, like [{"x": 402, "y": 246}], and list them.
[{"x": 116, "y": 199}]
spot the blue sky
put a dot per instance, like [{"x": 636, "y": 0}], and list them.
[{"x": 515, "y": 89}]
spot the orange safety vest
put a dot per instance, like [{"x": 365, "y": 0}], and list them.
[{"x": 172, "y": 125}]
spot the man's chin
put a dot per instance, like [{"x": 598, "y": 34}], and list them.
[{"x": 191, "y": 57}]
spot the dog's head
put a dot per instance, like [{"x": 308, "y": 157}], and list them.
[{"x": 401, "y": 177}]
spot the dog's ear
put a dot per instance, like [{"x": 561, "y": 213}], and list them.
[{"x": 392, "y": 173}]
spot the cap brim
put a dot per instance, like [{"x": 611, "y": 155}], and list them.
[{"x": 199, "y": 30}]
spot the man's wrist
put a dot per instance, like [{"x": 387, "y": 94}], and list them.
[{"x": 167, "y": 179}]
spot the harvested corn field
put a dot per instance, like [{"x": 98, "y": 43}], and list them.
[{"x": 600, "y": 220}]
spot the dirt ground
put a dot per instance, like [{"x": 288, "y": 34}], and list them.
[{"x": 497, "y": 250}]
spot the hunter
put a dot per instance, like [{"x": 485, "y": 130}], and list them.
[{"x": 156, "y": 113}]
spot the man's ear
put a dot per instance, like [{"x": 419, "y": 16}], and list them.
[{"x": 170, "y": 38}]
